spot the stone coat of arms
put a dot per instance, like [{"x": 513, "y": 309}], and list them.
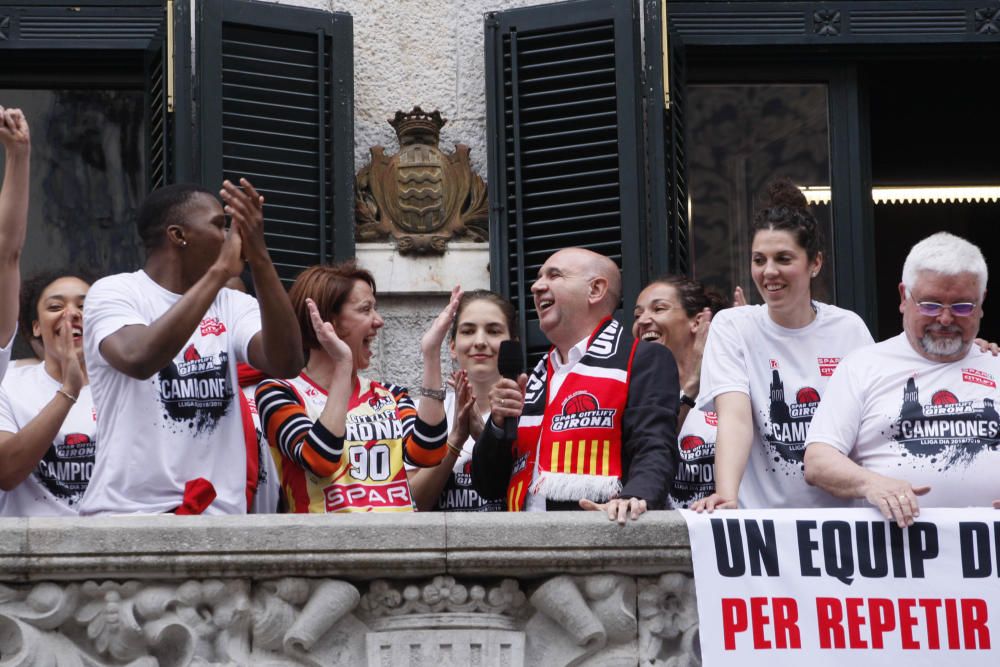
[{"x": 422, "y": 197}]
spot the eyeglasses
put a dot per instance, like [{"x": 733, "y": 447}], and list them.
[{"x": 933, "y": 308}]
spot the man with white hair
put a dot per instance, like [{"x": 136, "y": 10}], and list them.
[{"x": 916, "y": 415}]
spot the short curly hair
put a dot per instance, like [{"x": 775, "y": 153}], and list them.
[
  {"x": 31, "y": 293},
  {"x": 162, "y": 208}
]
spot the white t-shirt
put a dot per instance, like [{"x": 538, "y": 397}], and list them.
[
  {"x": 180, "y": 424},
  {"x": 57, "y": 483},
  {"x": 695, "y": 476},
  {"x": 784, "y": 372},
  {"x": 5, "y": 354},
  {"x": 936, "y": 424}
]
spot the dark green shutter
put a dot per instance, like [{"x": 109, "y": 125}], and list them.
[
  {"x": 159, "y": 134},
  {"x": 565, "y": 152},
  {"x": 276, "y": 106},
  {"x": 63, "y": 24},
  {"x": 669, "y": 247},
  {"x": 168, "y": 127}
]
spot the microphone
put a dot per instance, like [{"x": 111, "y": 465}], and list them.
[{"x": 510, "y": 363}]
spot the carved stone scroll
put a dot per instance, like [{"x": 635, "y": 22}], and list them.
[{"x": 587, "y": 621}]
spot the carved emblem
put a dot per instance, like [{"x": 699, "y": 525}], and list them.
[
  {"x": 421, "y": 197},
  {"x": 826, "y": 22},
  {"x": 988, "y": 20}
]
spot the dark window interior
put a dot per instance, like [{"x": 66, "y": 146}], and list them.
[
  {"x": 85, "y": 111},
  {"x": 932, "y": 123}
]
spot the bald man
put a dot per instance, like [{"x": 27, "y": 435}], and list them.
[{"x": 596, "y": 417}]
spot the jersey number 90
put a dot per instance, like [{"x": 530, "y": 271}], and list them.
[{"x": 370, "y": 462}]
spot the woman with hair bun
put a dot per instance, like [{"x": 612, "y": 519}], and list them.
[
  {"x": 675, "y": 311},
  {"x": 766, "y": 367}
]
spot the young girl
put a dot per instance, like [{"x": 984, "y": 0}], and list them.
[{"x": 483, "y": 320}]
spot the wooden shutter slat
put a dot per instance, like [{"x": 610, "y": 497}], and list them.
[{"x": 270, "y": 115}]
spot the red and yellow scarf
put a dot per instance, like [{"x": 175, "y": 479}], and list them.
[{"x": 578, "y": 434}]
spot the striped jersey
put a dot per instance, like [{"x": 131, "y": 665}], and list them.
[{"x": 363, "y": 471}]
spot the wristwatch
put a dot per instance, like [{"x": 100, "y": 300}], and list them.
[{"x": 687, "y": 400}]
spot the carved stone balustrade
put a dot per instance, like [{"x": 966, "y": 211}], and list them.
[{"x": 426, "y": 589}]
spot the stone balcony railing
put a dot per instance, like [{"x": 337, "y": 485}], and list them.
[{"x": 555, "y": 589}]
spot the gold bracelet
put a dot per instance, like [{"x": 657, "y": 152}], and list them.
[
  {"x": 66, "y": 394},
  {"x": 457, "y": 451}
]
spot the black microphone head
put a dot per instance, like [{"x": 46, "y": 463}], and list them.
[{"x": 510, "y": 361}]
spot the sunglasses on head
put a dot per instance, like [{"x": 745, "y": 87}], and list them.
[{"x": 933, "y": 308}]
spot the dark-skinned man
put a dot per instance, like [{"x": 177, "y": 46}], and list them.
[{"x": 162, "y": 345}]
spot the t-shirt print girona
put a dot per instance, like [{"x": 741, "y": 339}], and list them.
[
  {"x": 785, "y": 373},
  {"x": 183, "y": 422},
  {"x": 695, "y": 476},
  {"x": 935, "y": 424},
  {"x": 57, "y": 483}
]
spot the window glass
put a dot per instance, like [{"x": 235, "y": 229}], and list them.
[
  {"x": 739, "y": 138},
  {"x": 88, "y": 175}
]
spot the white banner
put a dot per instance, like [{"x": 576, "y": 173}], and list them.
[{"x": 845, "y": 587}]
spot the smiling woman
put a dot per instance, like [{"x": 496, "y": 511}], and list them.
[
  {"x": 47, "y": 423},
  {"x": 676, "y": 312},
  {"x": 340, "y": 440},
  {"x": 766, "y": 367},
  {"x": 483, "y": 321}
]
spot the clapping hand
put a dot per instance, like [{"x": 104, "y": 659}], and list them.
[
  {"x": 338, "y": 350},
  {"x": 66, "y": 356},
  {"x": 431, "y": 341},
  {"x": 465, "y": 411},
  {"x": 245, "y": 208},
  {"x": 739, "y": 298},
  {"x": 691, "y": 385}
]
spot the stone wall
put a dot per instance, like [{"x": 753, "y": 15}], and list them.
[
  {"x": 428, "y": 53},
  {"x": 411, "y": 293},
  {"x": 422, "y": 589},
  {"x": 425, "y": 52}
]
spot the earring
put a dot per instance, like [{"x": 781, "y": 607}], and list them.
[
  {"x": 813, "y": 274},
  {"x": 184, "y": 244}
]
